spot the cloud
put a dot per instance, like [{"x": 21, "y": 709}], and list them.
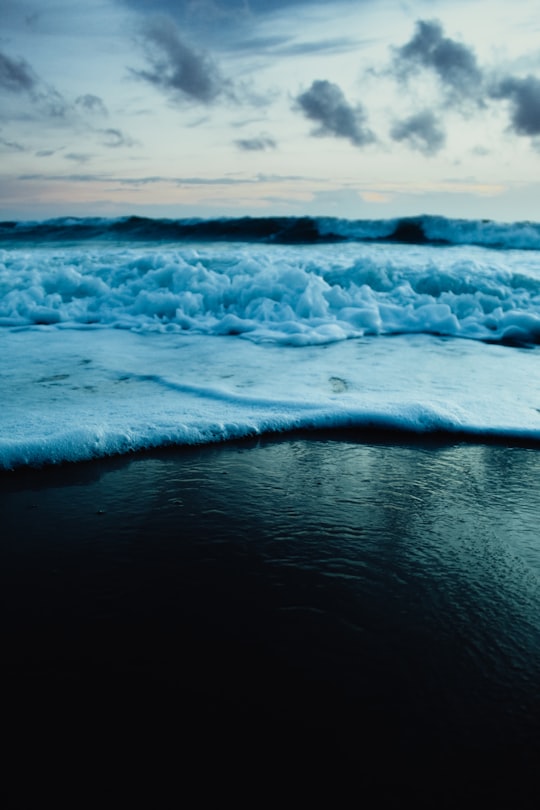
[
  {"x": 257, "y": 144},
  {"x": 12, "y": 146},
  {"x": 16, "y": 75},
  {"x": 19, "y": 78},
  {"x": 464, "y": 81},
  {"x": 326, "y": 104},
  {"x": 287, "y": 46},
  {"x": 92, "y": 104},
  {"x": 68, "y": 178},
  {"x": 156, "y": 179},
  {"x": 453, "y": 63},
  {"x": 115, "y": 138},
  {"x": 52, "y": 103},
  {"x": 524, "y": 97},
  {"x": 175, "y": 67},
  {"x": 210, "y": 9},
  {"x": 213, "y": 9},
  {"x": 329, "y": 46},
  {"x": 422, "y": 132},
  {"x": 78, "y": 157}
]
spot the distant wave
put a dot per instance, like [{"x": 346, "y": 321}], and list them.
[{"x": 421, "y": 230}]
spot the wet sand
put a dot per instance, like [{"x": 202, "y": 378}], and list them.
[{"x": 349, "y": 598}]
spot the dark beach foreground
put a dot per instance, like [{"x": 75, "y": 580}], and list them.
[{"x": 307, "y": 602}]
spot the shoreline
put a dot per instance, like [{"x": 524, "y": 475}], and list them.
[{"x": 362, "y": 435}]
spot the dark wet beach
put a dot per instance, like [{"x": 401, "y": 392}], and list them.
[{"x": 370, "y": 600}]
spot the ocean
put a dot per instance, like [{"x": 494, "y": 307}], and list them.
[
  {"x": 120, "y": 335},
  {"x": 284, "y": 471}
]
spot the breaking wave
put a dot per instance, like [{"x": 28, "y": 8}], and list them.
[
  {"x": 420, "y": 230},
  {"x": 288, "y": 294}
]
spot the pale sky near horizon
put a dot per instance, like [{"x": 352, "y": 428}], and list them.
[{"x": 356, "y": 108}]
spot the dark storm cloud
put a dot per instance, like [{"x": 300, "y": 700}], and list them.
[
  {"x": 454, "y": 63},
  {"x": 258, "y": 144},
  {"x": 176, "y": 67},
  {"x": 422, "y": 132},
  {"x": 92, "y": 104},
  {"x": 326, "y": 104},
  {"x": 524, "y": 97}
]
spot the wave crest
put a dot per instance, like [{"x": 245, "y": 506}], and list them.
[{"x": 419, "y": 230}]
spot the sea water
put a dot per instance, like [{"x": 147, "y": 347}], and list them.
[{"x": 120, "y": 335}]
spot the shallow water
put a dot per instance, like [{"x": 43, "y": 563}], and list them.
[{"x": 72, "y": 396}]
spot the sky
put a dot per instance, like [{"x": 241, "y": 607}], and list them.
[{"x": 204, "y": 108}]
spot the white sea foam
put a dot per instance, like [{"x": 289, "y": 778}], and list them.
[
  {"x": 77, "y": 395},
  {"x": 283, "y": 294},
  {"x": 109, "y": 349}
]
